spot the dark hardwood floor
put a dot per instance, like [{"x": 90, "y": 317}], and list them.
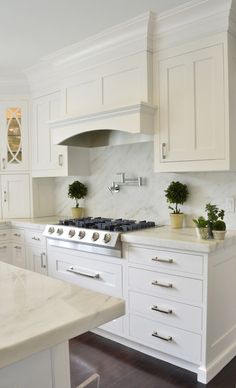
[{"x": 122, "y": 367}]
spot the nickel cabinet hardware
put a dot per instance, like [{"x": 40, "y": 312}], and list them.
[
  {"x": 60, "y": 160},
  {"x": 17, "y": 235},
  {"x": 3, "y": 163},
  {"x": 35, "y": 238},
  {"x": 158, "y": 259},
  {"x": 162, "y": 337},
  {"x": 160, "y": 284},
  {"x": 42, "y": 257},
  {"x": 161, "y": 309},
  {"x": 83, "y": 273},
  {"x": 163, "y": 150}
]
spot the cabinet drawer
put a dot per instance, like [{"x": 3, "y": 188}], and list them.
[
  {"x": 34, "y": 237},
  {"x": 166, "y": 260},
  {"x": 166, "y": 311},
  {"x": 173, "y": 341},
  {"x": 89, "y": 273},
  {"x": 18, "y": 255},
  {"x": 5, "y": 253},
  {"x": 18, "y": 236},
  {"x": 165, "y": 285},
  {"x": 4, "y": 235}
]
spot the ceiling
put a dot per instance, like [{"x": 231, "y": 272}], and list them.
[{"x": 31, "y": 29}]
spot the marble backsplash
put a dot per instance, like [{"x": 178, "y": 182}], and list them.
[{"x": 146, "y": 202}]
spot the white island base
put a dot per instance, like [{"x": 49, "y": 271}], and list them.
[{"x": 47, "y": 369}]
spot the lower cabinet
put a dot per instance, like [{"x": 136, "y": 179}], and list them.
[
  {"x": 18, "y": 255},
  {"x": 5, "y": 252},
  {"x": 36, "y": 259}
]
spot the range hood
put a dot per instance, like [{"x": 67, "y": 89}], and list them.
[{"x": 123, "y": 125}]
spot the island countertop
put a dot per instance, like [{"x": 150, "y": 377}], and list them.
[
  {"x": 38, "y": 312},
  {"x": 184, "y": 238}
]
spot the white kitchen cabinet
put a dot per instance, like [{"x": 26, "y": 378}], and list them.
[
  {"x": 15, "y": 196},
  {"x": 18, "y": 255},
  {"x": 5, "y": 252},
  {"x": 48, "y": 159},
  {"x": 192, "y": 126},
  {"x": 36, "y": 259},
  {"x": 14, "y": 136}
]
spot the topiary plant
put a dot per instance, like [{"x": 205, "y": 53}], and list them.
[
  {"x": 219, "y": 225},
  {"x": 176, "y": 194},
  {"x": 213, "y": 214},
  {"x": 77, "y": 190}
]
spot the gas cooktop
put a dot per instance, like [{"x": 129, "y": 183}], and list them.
[{"x": 100, "y": 223}]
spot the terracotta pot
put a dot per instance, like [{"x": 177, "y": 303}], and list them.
[
  {"x": 77, "y": 212},
  {"x": 219, "y": 234},
  {"x": 176, "y": 220}
]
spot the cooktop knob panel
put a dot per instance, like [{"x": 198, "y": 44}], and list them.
[
  {"x": 81, "y": 234},
  {"x": 107, "y": 238},
  {"x": 95, "y": 236}
]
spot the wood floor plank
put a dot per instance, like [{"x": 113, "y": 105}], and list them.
[{"x": 122, "y": 367}]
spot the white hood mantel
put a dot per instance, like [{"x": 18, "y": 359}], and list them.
[{"x": 126, "y": 124}]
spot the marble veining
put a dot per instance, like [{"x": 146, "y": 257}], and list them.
[
  {"x": 147, "y": 202},
  {"x": 185, "y": 238},
  {"x": 38, "y": 312}
]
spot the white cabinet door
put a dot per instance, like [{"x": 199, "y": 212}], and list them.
[
  {"x": 36, "y": 259},
  {"x": 46, "y": 156},
  {"x": 14, "y": 135},
  {"x": 18, "y": 255},
  {"x": 15, "y": 196},
  {"x": 192, "y": 110},
  {"x": 5, "y": 252}
]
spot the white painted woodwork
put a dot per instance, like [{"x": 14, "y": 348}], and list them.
[
  {"x": 192, "y": 110},
  {"x": 23, "y": 164},
  {"x": 15, "y": 196},
  {"x": 166, "y": 311},
  {"x": 163, "y": 260},
  {"x": 18, "y": 255},
  {"x": 36, "y": 259},
  {"x": 141, "y": 329},
  {"x": 5, "y": 252},
  {"x": 49, "y": 159}
]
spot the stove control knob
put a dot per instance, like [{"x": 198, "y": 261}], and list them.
[
  {"x": 71, "y": 233},
  {"x": 59, "y": 231},
  {"x": 95, "y": 236},
  {"x": 81, "y": 234},
  {"x": 51, "y": 230},
  {"x": 107, "y": 238}
]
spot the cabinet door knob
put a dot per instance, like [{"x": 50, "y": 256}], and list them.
[{"x": 163, "y": 150}]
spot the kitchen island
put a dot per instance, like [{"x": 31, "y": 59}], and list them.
[{"x": 38, "y": 317}]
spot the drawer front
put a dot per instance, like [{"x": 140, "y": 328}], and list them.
[
  {"x": 34, "y": 237},
  {"x": 5, "y": 253},
  {"x": 166, "y": 311},
  {"x": 166, "y": 260},
  {"x": 170, "y": 340},
  {"x": 18, "y": 255},
  {"x": 89, "y": 273},
  {"x": 4, "y": 235},
  {"x": 165, "y": 285},
  {"x": 18, "y": 236}
]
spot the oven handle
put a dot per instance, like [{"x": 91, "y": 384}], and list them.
[{"x": 82, "y": 273}]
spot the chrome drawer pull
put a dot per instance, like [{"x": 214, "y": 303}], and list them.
[
  {"x": 3, "y": 247},
  {"x": 167, "y": 285},
  {"x": 17, "y": 234},
  {"x": 163, "y": 150},
  {"x": 161, "y": 310},
  {"x": 42, "y": 255},
  {"x": 3, "y": 234},
  {"x": 36, "y": 238},
  {"x": 82, "y": 273},
  {"x": 169, "y": 261},
  {"x": 16, "y": 247},
  {"x": 163, "y": 337}
]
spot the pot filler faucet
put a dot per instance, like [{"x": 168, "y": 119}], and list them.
[{"x": 123, "y": 181}]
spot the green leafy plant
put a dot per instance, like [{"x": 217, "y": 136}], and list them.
[
  {"x": 213, "y": 214},
  {"x": 176, "y": 194},
  {"x": 219, "y": 225},
  {"x": 77, "y": 190},
  {"x": 201, "y": 222}
]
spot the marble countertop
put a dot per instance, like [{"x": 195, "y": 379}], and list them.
[
  {"x": 38, "y": 312},
  {"x": 38, "y": 223},
  {"x": 185, "y": 238}
]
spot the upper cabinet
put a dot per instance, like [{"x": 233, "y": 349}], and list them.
[
  {"x": 50, "y": 160},
  {"x": 14, "y": 134},
  {"x": 195, "y": 85}
]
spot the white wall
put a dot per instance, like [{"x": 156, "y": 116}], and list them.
[{"x": 147, "y": 202}]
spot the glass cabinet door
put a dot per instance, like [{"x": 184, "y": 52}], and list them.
[{"x": 15, "y": 142}]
